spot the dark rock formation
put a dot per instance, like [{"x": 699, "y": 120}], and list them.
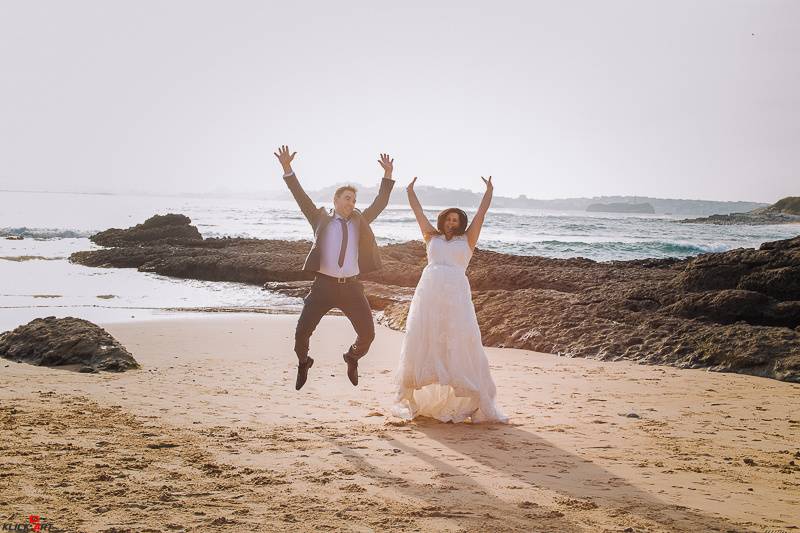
[
  {"x": 773, "y": 269},
  {"x": 735, "y": 311},
  {"x": 55, "y": 341},
  {"x": 166, "y": 229},
  {"x": 246, "y": 260},
  {"x": 745, "y": 219},
  {"x": 733, "y": 305}
]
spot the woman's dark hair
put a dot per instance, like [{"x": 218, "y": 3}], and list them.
[{"x": 462, "y": 217}]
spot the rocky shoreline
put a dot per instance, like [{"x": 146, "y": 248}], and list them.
[
  {"x": 784, "y": 211},
  {"x": 736, "y": 311},
  {"x": 752, "y": 219}
]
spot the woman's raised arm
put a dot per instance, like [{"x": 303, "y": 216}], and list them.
[
  {"x": 424, "y": 224},
  {"x": 474, "y": 229}
]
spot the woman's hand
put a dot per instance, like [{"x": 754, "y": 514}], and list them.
[
  {"x": 489, "y": 186},
  {"x": 410, "y": 187}
]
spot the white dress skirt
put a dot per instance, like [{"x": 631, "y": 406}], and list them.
[{"x": 443, "y": 372}]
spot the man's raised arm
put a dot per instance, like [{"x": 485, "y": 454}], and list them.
[
  {"x": 382, "y": 200},
  {"x": 306, "y": 204}
]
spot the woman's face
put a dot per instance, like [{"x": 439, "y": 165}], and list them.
[{"x": 451, "y": 223}]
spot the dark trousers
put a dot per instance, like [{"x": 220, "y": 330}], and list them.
[{"x": 327, "y": 294}]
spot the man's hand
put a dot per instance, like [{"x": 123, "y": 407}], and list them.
[
  {"x": 411, "y": 185},
  {"x": 286, "y": 160},
  {"x": 489, "y": 186},
  {"x": 388, "y": 165}
]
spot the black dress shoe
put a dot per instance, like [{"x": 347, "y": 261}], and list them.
[
  {"x": 302, "y": 372},
  {"x": 352, "y": 369}
]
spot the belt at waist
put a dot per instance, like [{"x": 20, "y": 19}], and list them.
[{"x": 338, "y": 280}]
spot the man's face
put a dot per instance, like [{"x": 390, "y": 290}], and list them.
[{"x": 345, "y": 203}]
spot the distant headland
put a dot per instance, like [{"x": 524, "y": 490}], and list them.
[
  {"x": 436, "y": 196},
  {"x": 784, "y": 211},
  {"x": 622, "y": 207}
]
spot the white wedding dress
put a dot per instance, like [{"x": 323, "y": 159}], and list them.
[{"x": 443, "y": 371}]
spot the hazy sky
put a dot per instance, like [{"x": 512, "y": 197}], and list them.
[{"x": 680, "y": 99}]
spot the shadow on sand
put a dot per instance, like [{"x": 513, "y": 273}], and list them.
[{"x": 532, "y": 462}]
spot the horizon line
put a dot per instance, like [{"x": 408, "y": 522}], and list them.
[{"x": 266, "y": 192}]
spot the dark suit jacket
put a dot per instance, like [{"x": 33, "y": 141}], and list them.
[{"x": 369, "y": 258}]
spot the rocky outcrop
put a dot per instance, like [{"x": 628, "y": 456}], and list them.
[
  {"x": 773, "y": 269},
  {"x": 246, "y": 260},
  {"x": 784, "y": 211},
  {"x": 167, "y": 229},
  {"x": 735, "y": 311},
  {"x": 55, "y": 341},
  {"x": 785, "y": 206},
  {"x": 733, "y": 305},
  {"x": 745, "y": 219}
]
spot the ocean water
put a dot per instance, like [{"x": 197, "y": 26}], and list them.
[{"x": 37, "y": 280}]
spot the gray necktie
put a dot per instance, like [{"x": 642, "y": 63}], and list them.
[{"x": 343, "y": 249}]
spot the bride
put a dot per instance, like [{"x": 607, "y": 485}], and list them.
[{"x": 443, "y": 371}]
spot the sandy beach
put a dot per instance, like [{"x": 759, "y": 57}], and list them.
[{"x": 210, "y": 435}]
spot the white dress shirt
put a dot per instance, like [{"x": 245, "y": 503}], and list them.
[{"x": 332, "y": 244}]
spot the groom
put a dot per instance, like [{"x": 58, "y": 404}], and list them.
[{"x": 344, "y": 247}]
